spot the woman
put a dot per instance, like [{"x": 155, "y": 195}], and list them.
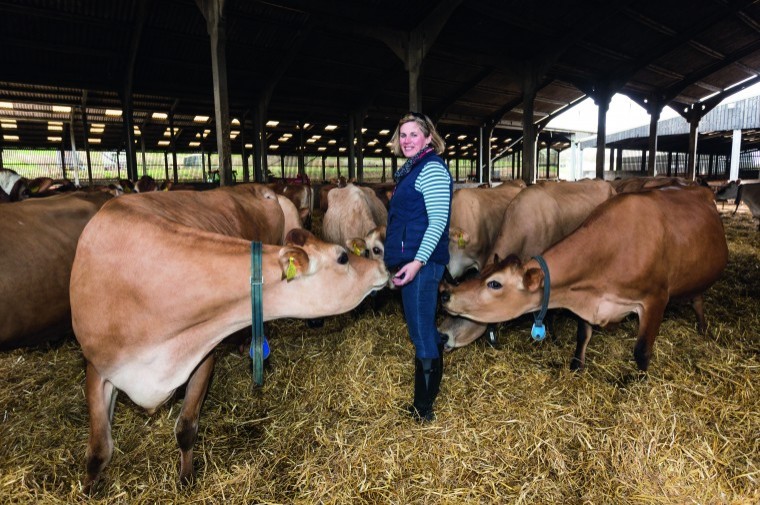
[{"x": 417, "y": 247}]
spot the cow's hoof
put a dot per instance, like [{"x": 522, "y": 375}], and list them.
[
  {"x": 315, "y": 323},
  {"x": 576, "y": 365}
]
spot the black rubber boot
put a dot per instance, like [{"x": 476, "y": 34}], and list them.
[{"x": 427, "y": 383}]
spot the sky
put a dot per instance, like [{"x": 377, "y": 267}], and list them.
[{"x": 623, "y": 113}]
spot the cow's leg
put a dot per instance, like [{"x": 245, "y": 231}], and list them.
[
  {"x": 186, "y": 429},
  {"x": 101, "y": 399},
  {"x": 698, "y": 303},
  {"x": 551, "y": 328},
  {"x": 582, "y": 336},
  {"x": 650, "y": 319},
  {"x": 492, "y": 335}
]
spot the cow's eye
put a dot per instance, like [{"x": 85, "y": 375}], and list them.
[
  {"x": 377, "y": 250},
  {"x": 494, "y": 284},
  {"x": 343, "y": 258}
]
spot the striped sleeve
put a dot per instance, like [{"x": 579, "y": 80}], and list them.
[{"x": 433, "y": 182}]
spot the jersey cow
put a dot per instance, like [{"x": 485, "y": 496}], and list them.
[
  {"x": 189, "y": 291},
  {"x": 634, "y": 253},
  {"x": 370, "y": 246},
  {"x": 352, "y": 212},
  {"x": 39, "y": 239},
  {"x": 302, "y": 196},
  {"x": 476, "y": 217},
  {"x": 539, "y": 216},
  {"x": 633, "y": 184}
]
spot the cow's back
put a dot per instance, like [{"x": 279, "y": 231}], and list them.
[
  {"x": 542, "y": 214},
  {"x": 39, "y": 239},
  {"x": 348, "y": 215},
  {"x": 669, "y": 239},
  {"x": 249, "y": 211}
]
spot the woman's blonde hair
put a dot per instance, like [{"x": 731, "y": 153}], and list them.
[{"x": 427, "y": 127}]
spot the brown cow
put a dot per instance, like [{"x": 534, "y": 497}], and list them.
[
  {"x": 189, "y": 291},
  {"x": 631, "y": 184},
  {"x": 371, "y": 246},
  {"x": 339, "y": 182},
  {"x": 39, "y": 238},
  {"x": 352, "y": 212},
  {"x": 302, "y": 196},
  {"x": 476, "y": 218},
  {"x": 383, "y": 190},
  {"x": 634, "y": 253},
  {"x": 539, "y": 216}
]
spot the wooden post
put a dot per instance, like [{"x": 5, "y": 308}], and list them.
[{"x": 213, "y": 11}]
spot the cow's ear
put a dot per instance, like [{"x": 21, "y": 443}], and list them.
[
  {"x": 458, "y": 235},
  {"x": 533, "y": 279},
  {"x": 294, "y": 262},
  {"x": 298, "y": 236},
  {"x": 356, "y": 246}
]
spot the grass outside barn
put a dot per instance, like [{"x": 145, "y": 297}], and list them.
[{"x": 514, "y": 425}]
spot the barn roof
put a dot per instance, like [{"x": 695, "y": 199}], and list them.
[
  {"x": 716, "y": 131},
  {"x": 321, "y": 61}
]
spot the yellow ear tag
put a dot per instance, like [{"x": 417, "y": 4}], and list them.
[
  {"x": 357, "y": 251},
  {"x": 290, "y": 274},
  {"x": 460, "y": 242}
]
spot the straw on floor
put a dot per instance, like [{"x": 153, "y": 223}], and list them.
[{"x": 514, "y": 425}]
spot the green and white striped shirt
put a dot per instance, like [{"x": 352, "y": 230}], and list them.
[{"x": 433, "y": 182}]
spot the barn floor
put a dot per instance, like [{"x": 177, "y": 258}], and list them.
[{"x": 514, "y": 424}]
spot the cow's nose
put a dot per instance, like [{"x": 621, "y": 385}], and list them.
[{"x": 445, "y": 296}]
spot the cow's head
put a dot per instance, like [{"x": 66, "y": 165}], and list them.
[
  {"x": 460, "y": 331},
  {"x": 503, "y": 291},
  {"x": 462, "y": 255},
  {"x": 325, "y": 278}
]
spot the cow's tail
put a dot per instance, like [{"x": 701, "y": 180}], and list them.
[{"x": 738, "y": 200}]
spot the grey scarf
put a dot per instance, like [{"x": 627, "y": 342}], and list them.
[{"x": 409, "y": 164}]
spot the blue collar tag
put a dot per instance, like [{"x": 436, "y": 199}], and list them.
[{"x": 538, "y": 332}]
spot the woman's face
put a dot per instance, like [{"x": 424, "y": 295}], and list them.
[{"x": 411, "y": 138}]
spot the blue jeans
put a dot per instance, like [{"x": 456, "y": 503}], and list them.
[{"x": 420, "y": 299}]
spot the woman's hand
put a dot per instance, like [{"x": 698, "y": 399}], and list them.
[{"x": 406, "y": 274}]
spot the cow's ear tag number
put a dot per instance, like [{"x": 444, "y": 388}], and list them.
[{"x": 290, "y": 273}]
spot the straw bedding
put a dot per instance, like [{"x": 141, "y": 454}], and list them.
[{"x": 514, "y": 425}]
